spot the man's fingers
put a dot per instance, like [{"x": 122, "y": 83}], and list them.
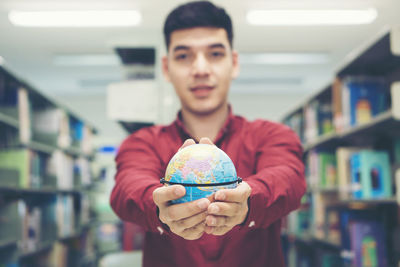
[
  {"x": 188, "y": 142},
  {"x": 191, "y": 221},
  {"x": 185, "y": 210},
  {"x": 224, "y": 208},
  {"x": 162, "y": 195},
  {"x": 239, "y": 194},
  {"x": 221, "y": 230},
  {"x": 205, "y": 140},
  {"x": 195, "y": 232},
  {"x": 218, "y": 221}
]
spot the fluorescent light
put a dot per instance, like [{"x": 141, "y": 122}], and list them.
[
  {"x": 284, "y": 58},
  {"x": 311, "y": 17},
  {"x": 87, "y": 18},
  {"x": 86, "y": 60}
]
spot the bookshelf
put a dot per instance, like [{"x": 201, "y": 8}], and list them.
[
  {"x": 46, "y": 175},
  {"x": 350, "y": 132}
]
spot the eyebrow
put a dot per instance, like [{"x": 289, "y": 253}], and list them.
[{"x": 184, "y": 47}]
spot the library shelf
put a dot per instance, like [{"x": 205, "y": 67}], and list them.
[
  {"x": 69, "y": 237},
  {"x": 49, "y": 149},
  {"x": 311, "y": 240},
  {"x": 299, "y": 107},
  {"x": 8, "y": 120},
  {"x": 327, "y": 244},
  {"x": 324, "y": 190},
  {"x": 48, "y": 245},
  {"x": 87, "y": 260},
  {"x": 39, "y": 249},
  {"x": 381, "y": 125},
  {"x": 34, "y": 191},
  {"x": 40, "y": 147},
  {"x": 363, "y": 203},
  {"x": 7, "y": 243},
  {"x": 377, "y": 56}
]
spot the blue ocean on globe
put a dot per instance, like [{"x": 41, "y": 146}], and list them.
[{"x": 201, "y": 164}]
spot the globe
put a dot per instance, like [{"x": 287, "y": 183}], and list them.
[{"x": 202, "y": 169}]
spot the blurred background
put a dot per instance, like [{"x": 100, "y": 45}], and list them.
[{"x": 103, "y": 70}]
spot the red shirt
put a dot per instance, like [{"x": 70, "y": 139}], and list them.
[{"x": 267, "y": 155}]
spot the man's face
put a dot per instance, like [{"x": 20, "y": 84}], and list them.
[{"x": 201, "y": 64}]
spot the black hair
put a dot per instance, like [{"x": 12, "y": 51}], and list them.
[{"x": 197, "y": 14}]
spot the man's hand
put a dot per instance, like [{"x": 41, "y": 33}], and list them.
[
  {"x": 229, "y": 209},
  {"x": 186, "y": 219}
]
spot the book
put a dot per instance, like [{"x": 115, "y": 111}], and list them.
[
  {"x": 395, "y": 99},
  {"x": 397, "y": 182},
  {"x": 330, "y": 260},
  {"x": 332, "y": 227},
  {"x": 17, "y": 162},
  {"x": 349, "y": 216},
  {"x": 24, "y": 111},
  {"x": 366, "y": 98},
  {"x": 371, "y": 174},
  {"x": 337, "y": 111},
  {"x": 325, "y": 119},
  {"x": 9, "y": 137},
  {"x": 47, "y": 124},
  {"x": 76, "y": 128},
  {"x": 327, "y": 170},
  {"x": 61, "y": 166},
  {"x": 311, "y": 121},
  {"x": 65, "y": 215},
  {"x": 343, "y": 155},
  {"x": 58, "y": 255},
  {"x": 11, "y": 220},
  {"x": 8, "y": 96},
  {"x": 312, "y": 169},
  {"x": 368, "y": 244}
]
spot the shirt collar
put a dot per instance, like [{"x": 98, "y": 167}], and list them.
[{"x": 225, "y": 128}]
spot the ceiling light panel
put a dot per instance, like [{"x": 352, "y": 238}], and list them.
[
  {"x": 86, "y": 60},
  {"x": 284, "y": 58},
  {"x": 82, "y": 18},
  {"x": 294, "y": 17}
]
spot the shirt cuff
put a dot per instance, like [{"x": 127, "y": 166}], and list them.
[
  {"x": 156, "y": 225},
  {"x": 256, "y": 203}
]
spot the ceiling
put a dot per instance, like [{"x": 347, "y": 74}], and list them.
[{"x": 29, "y": 52}]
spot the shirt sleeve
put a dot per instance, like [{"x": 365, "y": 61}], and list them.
[
  {"x": 138, "y": 175},
  {"x": 279, "y": 183}
]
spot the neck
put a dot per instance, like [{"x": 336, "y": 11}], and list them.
[{"x": 208, "y": 125}]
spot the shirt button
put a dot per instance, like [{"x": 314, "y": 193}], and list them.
[
  {"x": 160, "y": 230},
  {"x": 252, "y": 223}
]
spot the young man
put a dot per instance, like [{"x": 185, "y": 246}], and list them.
[{"x": 239, "y": 227}]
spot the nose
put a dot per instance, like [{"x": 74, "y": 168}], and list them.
[{"x": 201, "y": 66}]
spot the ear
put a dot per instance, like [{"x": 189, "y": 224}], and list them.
[
  {"x": 165, "y": 70},
  {"x": 235, "y": 64}
]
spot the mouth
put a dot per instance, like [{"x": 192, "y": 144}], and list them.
[{"x": 201, "y": 90}]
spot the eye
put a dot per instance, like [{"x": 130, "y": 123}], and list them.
[
  {"x": 217, "y": 54},
  {"x": 181, "y": 56}
]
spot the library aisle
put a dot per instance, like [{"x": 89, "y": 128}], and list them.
[{"x": 71, "y": 91}]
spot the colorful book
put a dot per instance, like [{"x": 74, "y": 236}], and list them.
[
  {"x": 327, "y": 170},
  {"x": 16, "y": 161},
  {"x": 371, "y": 174},
  {"x": 343, "y": 155},
  {"x": 337, "y": 111},
  {"x": 368, "y": 244},
  {"x": 367, "y": 98},
  {"x": 325, "y": 119}
]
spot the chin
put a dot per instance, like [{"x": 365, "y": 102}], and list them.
[{"x": 204, "y": 109}]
